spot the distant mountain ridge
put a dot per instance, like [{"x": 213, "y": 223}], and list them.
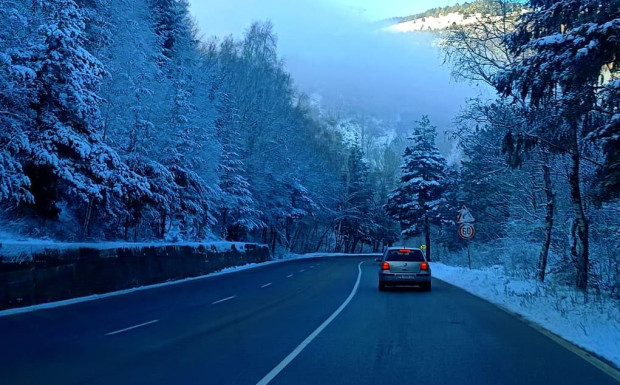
[{"x": 440, "y": 18}]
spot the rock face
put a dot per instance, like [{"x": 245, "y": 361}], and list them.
[{"x": 55, "y": 275}]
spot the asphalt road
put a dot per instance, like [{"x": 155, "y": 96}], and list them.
[{"x": 236, "y": 328}]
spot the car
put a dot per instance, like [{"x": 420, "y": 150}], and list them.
[{"x": 404, "y": 266}]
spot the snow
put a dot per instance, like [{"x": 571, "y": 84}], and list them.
[
  {"x": 433, "y": 23},
  {"x": 593, "y": 325}
]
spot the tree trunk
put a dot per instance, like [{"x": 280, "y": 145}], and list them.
[
  {"x": 353, "y": 245},
  {"x": 321, "y": 239},
  {"x": 544, "y": 252},
  {"x": 89, "y": 210},
  {"x": 427, "y": 237},
  {"x": 162, "y": 229},
  {"x": 273, "y": 240},
  {"x": 579, "y": 229}
]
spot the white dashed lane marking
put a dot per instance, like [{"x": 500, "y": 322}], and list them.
[
  {"x": 289, "y": 276},
  {"x": 131, "y": 327},
  {"x": 267, "y": 284},
  {"x": 223, "y": 299}
]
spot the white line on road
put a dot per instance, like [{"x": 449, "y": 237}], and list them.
[
  {"x": 287, "y": 360},
  {"x": 223, "y": 299},
  {"x": 131, "y": 327},
  {"x": 289, "y": 276},
  {"x": 267, "y": 284},
  {"x": 302, "y": 270}
]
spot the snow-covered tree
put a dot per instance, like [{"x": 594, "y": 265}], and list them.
[
  {"x": 236, "y": 207},
  {"x": 569, "y": 51},
  {"x": 67, "y": 154},
  {"x": 416, "y": 202},
  {"x": 16, "y": 78}
]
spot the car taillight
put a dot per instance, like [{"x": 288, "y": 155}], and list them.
[
  {"x": 423, "y": 266},
  {"x": 385, "y": 266}
]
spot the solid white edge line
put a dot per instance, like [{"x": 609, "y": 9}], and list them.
[
  {"x": 267, "y": 284},
  {"x": 287, "y": 360},
  {"x": 131, "y": 327},
  {"x": 223, "y": 299}
]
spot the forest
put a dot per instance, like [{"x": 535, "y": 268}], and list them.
[{"x": 119, "y": 121}]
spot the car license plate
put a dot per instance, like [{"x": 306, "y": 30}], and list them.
[{"x": 404, "y": 276}]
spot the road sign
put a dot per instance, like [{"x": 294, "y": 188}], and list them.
[
  {"x": 423, "y": 247},
  {"x": 464, "y": 216},
  {"x": 466, "y": 230}
]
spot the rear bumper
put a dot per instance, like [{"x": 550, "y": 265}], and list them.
[{"x": 404, "y": 279}]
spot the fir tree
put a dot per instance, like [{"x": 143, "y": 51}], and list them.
[
  {"x": 416, "y": 203},
  {"x": 67, "y": 154},
  {"x": 16, "y": 79}
]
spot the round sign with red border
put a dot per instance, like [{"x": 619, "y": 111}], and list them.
[{"x": 466, "y": 230}]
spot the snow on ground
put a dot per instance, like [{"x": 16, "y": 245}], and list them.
[
  {"x": 593, "y": 325},
  {"x": 433, "y": 23}
]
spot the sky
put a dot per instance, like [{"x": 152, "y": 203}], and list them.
[{"x": 331, "y": 49}]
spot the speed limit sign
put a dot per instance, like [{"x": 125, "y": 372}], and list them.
[{"x": 466, "y": 230}]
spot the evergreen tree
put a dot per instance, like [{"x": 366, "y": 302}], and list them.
[
  {"x": 16, "y": 79},
  {"x": 67, "y": 154},
  {"x": 236, "y": 206},
  {"x": 416, "y": 203},
  {"x": 355, "y": 223}
]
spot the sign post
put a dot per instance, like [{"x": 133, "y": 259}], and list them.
[{"x": 466, "y": 228}]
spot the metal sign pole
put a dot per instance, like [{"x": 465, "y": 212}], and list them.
[{"x": 468, "y": 255}]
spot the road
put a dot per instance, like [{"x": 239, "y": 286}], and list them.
[{"x": 237, "y": 328}]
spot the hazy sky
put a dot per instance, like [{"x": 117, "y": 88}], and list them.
[
  {"x": 330, "y": 49},
  {"x": 224, "y": 17}
]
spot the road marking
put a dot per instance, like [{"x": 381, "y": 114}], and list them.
[
  {"x": 289, "y": 276},
  {"x": 267, "y": 284},
  {"x": 302, "y": 270},
  {"x": 131, "y": 327},
  {"x": 312, "y": 267},
  {"x": 223, "y": 299},
  {"x": 288, "y": 359}
]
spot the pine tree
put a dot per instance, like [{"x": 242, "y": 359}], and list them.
[
  {"x": 67, "y": 154},
  {"x": 355, "y": 223},
  {"x": 236, "y": 206},
  {"x": 416, "y": 203},
  {"x": 16, "y": 79}
]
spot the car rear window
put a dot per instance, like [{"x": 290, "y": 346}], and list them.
[{"x": 405, "y": 255}]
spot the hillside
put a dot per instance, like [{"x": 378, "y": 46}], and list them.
[{"x": 441, "y": 18}]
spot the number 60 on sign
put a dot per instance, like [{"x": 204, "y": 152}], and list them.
[{"x": 466, "y": 230}]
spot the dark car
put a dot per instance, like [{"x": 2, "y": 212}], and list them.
[{"x": 404, "y": 266}]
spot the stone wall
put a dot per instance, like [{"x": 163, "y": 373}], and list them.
[{"x": 62, "y": 274}]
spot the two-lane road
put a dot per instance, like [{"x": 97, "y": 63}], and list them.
[{"x": 236, "y": 328}]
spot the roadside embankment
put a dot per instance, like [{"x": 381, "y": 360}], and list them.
[{"x": 57, "y": 273}]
